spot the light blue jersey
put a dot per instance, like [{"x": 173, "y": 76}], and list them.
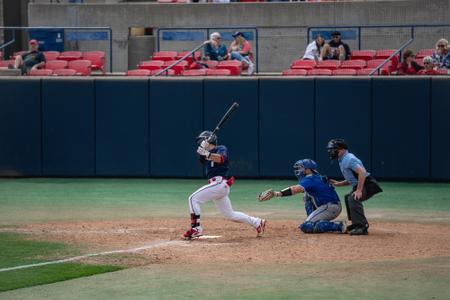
[{"x": 348, "y": 164}]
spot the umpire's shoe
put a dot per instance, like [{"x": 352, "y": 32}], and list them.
[{"x": 359, "y": 231}]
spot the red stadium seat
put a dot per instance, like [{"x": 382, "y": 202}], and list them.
[
  {"x": 178, "y": 68},
  {"x": 363, "y": 54},
  {"x": 56, "y": 64},
  {"x": 189, "y": 59},
  {"x": 330, "y": 64},
  {"x": 367, "y": 71},
  {"x": 194, "y": 72},
  {"x": 164, "y": 55},
  {"x": 166, "y": 1},
  {"x": 138, "y": 72},
  {"x": 295, "y": 72},
  {"x": 5, "y": 63},
  {"x": 82, "y": 66},
  {"x": 376, "y": 62},
  {"x": 1, "y": 55},
  {"x": 424, "y": 52},
  {"x": 70, "y": 55},
  {"x": 385, "y": 53},
  {"x": 41, "y": 72},
  {"x": 320, "y": 72},
  {"x": 64, "y": 72},
  {"x": 353, "y": 64},
  {"x": 51, "y": 55},
  {"x": 344, "y": 72},
  {"x": 151, "y": 64},
  {"x": 218, "y": 72},
  {"x": 97, "y": 59},
  {"x": 234, "y": 66},
  {"x": 165, "y": 73},
  {"x": 303, "y": 64}
]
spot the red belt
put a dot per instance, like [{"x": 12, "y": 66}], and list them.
[{"x": 229, "y": 181}]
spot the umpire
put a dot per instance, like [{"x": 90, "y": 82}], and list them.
[{"x": 363, "y": 185}]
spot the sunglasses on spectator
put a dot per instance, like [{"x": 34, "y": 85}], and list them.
[
  {"x": 427, "y": 63},
  {"x": 441, "y": 45}
]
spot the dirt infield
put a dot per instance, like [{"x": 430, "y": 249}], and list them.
[{"x": 236, "y": 243}]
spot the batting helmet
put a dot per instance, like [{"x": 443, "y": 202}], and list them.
[
  {"x": 206, "y": 135},
  {"x": 302, "y": 164},
  {"x": 333, "y": 147}
]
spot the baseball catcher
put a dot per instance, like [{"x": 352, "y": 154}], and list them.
[
  {"x": 214, "y": 159},
  {"x": 322, "y": 203}
]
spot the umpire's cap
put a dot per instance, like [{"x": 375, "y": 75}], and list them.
[{"x": 337, "y": 143}]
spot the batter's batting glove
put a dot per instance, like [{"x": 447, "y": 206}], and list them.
[{"x": 202, "y": 151}]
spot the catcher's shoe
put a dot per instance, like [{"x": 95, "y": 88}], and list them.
[
  {"x": 261, "y": 228},
  {"x": 344, "y": 227},
  {"x": 193, "y": 233}
]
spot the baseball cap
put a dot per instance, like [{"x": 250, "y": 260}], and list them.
[
  {"x": 334, "y": 33},
  {"x": 237, "y": 33},
  {"x": 33, "y": 42}
]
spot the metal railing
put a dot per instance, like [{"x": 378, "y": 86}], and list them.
[
  {"x": 192, "y": 52},
  {"x": 208, "y": 30},
  {"x": 13, "y": 29}
]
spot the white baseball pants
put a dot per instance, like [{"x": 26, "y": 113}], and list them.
[{"x": 218, "y": 191}]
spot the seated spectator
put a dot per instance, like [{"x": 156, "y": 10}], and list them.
[
  {"x": 214, "y": 49},
  {"x": 409, "y": 65},
  {"x": 313, "y": 49},
  {"x": 429, "y": 68},
  {"x": 336, "y": 48},
  {"x": 240, "y": 49},
  {"x": 30, "y": 60},
  {"x": 441, "y": 56}
]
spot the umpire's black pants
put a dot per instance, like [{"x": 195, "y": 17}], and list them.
[{"x": 355, "y": 208}]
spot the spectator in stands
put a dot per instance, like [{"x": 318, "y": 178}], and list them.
[
  {"x": 215, "y": 49},
  {"x": 240, "y": 49},
  {"x": 441, "y": 56},
  {"x": 409, "y": 65},
  {"x": 336, "y": 48},
  {"x": 30, "y": 60},
  {"x": 429, "y": 68},
  {"x": 314, "y": 48}
]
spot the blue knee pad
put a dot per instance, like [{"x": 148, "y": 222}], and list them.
[
  {"x": 319, "y": 227},
  {"x": 307, "y": 227}
]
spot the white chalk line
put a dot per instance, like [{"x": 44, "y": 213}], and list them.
[{"x": 132, "y": 250}]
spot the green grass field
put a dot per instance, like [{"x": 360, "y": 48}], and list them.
[{"x": 28, "y": 201}]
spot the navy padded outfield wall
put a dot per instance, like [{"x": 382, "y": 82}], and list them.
[
  {"x": 68, "y": 131},
  {"x": 176, "y": 118},
  {"x": 440, "y": 128},
  {"x": 286, "y": 124},
  {"x": 122, "y": 135},
  {"x": 401, "y": 127},
  {"x": 20, "y": 127},
  {"x": 145, "y": 127}
]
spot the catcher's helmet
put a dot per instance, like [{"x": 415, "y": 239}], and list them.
[
  {"x": 333, "y": 147},
  {"x": 206, "y": 135},
  {"x": 302, "y": 164}
]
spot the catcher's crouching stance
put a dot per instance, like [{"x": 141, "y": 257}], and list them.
[
  {"x": 215, "y": 161},
  {"x": 322, "y": 203}
]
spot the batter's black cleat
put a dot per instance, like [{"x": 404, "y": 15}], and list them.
[{"x": 359, "y": 231}]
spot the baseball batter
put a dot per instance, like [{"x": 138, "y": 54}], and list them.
[
  {"x": 216, "y": 165},
  {"x": 322, "y": 203}
]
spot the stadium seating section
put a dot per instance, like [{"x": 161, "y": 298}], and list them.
[{"x": 361, "y": 63}]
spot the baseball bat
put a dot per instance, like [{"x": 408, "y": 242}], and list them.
[{"x": 226, "y": 117}]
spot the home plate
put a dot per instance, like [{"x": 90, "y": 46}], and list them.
[{"x": 210, "y": 237}]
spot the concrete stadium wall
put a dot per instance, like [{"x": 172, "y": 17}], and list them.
[
  {"x": 282, "y": 26},
  {"x": 140, "y": 127}
]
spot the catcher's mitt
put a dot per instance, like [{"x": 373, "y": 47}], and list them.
[{"x": 266, "y": 195}]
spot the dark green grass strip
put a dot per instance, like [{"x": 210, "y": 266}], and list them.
[
  {"x": 16, "y": 250},
  {"x": 11, "y": 280}
]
